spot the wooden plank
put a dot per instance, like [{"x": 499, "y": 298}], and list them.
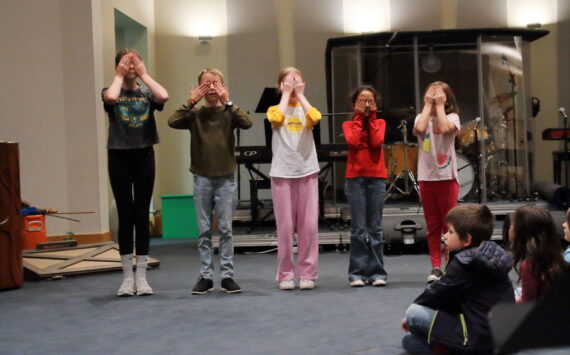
[{"x": 90, "y": 253}]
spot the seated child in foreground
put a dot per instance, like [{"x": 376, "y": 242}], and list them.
[{"x": 453, "y": 311}]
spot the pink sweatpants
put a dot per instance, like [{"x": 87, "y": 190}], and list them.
[
  {"x": 296, "y": 205},
  {"x": 438, "y": 197}
]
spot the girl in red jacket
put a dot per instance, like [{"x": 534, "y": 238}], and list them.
[{"x": 365, "y": 188}]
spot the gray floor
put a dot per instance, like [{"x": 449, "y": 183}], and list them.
[{"x": 81, "y": 315}]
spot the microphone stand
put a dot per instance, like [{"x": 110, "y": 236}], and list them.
[
  {"x": 564, "y": 119},
  {"x": 477, "y": 162}
]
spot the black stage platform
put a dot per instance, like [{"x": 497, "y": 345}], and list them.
[{"x": 403, "y": 223}]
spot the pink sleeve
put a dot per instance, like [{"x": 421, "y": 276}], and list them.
[{"x": 454, "y": 118}]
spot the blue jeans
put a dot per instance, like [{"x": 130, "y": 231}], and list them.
[
  {"x": 418, "y": 320},
  {"x": 217, "y": 193},
  {"x": 366, "y": 198}
]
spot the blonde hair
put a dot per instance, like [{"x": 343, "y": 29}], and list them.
[
  {"x": 214, "y": 71},
  {"x": 286, "y": 71}
]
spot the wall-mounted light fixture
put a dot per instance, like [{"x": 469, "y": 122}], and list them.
[{"x": 205, "y": 39}]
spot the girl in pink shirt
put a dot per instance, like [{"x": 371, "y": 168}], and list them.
[{"x": 436, "y": 128}]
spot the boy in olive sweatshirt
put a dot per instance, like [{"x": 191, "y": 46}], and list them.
[{"x": 213, "y": 163}]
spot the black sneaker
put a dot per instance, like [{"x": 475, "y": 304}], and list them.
[
  {"x": 203, "y": 286},
  {"x": 435, "y": 275},
  {"x": 230, "y": 286}
]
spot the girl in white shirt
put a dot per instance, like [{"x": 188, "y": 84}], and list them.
[{"x": 294, "y": 181}]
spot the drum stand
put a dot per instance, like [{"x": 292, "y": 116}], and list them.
[{"x": 406, "y": 174}]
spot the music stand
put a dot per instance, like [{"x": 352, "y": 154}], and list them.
[{"x": 269, "y": 97}]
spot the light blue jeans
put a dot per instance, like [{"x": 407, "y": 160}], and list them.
[
  {"x": 418, "y": 320},
  {"x": 217, "y": 193},
  {"x": 366, "y": 198}
]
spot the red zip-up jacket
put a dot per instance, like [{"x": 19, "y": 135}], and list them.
[{"x": 365, "y": 154}]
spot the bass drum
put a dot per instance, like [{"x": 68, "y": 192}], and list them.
[{"x": 465, "y": 175}]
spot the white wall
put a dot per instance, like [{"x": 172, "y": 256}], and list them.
[
  {"x": 181, "y": 59},
  {"x": 48, "y": 99}
]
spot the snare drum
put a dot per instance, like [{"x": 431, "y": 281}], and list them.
[{"x": 395, "y": 158}]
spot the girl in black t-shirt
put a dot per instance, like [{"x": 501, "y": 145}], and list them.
[{"x": 132, "y": 134}]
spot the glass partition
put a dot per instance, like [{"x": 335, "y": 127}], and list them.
[
  {"x": 506, "y": 152},
  {"x": 486, "y": 74}
]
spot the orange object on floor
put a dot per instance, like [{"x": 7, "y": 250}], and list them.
[{"x": 33, "y": 231}]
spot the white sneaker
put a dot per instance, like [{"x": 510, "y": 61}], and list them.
[
  {"x": 306, "y": 284},
  {"x": 287, "y": 285},
  {"x": 379, "y": 282},
  {"x": 143, "y": 288},
  {"x": 127, "y": 288},
  {"x": 358, "y": 283}
]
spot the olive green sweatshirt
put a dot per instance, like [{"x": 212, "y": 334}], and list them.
[{"x": 212, "y": 142}]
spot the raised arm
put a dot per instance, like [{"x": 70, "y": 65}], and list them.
[
  {"x": 158, "y": 92},
  {"x": 377, "y": 131},
  {"x": 240, "y": 118},
  {"x": 114, "y": 90},
  {"x": 353, "y": 130},
  {"x": 443, "y": 123},
  {"x": 421, "y": 125}
]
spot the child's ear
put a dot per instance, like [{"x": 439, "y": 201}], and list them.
[{"x": 469, "y": 241}]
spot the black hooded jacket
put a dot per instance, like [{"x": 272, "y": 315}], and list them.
[{"x": 475, "y": 280}]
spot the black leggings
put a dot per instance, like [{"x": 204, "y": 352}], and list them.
[{"x": 132, "y": 170}]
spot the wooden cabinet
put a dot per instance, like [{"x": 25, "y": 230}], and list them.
[{"x": 11, "y": 272}]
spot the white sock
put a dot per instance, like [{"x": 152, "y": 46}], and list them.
[
  {"x": 141, "y": 266},
  {"x": 127, "y": 263}
]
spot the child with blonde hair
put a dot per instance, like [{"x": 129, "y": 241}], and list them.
[{"x": 294, "y": 181}]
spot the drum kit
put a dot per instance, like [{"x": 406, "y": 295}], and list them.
[{"x": 401, "y": 159}]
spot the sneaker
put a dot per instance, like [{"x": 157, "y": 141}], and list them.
[
  {"x": 306, "y": 284},
  {"x": 435, "y": 275},
  {"x": 203, "y": 286},
  {"x": 287, "y": 285},
  {"x": 230, "y": 286},
  {"x": 127, "y": 288},
  {"x": 379, "y": 283},
  {"x": 358, "y": 283},
  {"x": 143, "y": 288}
]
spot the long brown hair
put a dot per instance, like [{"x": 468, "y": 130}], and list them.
[
  {"x": 123, "y": 53},
  {"x": 535, "y": 239},
  {"x": 451, "y": 102}
]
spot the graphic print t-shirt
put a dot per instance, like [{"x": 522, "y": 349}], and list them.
[
  {"x": 131, "y": 120},
  {"x": 293, "y": 146},
  {"x": 436, "y": 158}
]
